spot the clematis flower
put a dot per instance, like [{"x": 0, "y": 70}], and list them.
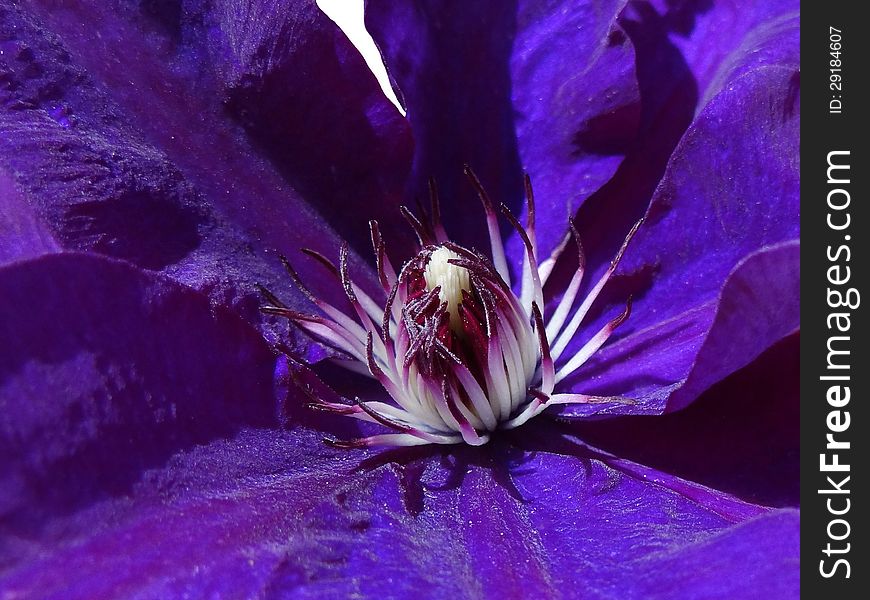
[{"x": 156, "y": 159}]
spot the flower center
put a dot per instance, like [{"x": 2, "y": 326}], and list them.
[
  {"x": 451, "y": 279},
  {"x": 459, "y": 351}
]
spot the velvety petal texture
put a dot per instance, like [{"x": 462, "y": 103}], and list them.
[
  {"x": 106, "y": 376},
  {"x": 759, "y": 305},
  {"x": 157, "y": 156},
  {"x": 547, "y": 88},
  {"x": 741, "y": 436},
  {"x": 270, "y": 513},
  {"x": 22, "y": 234},
  {"x": 576, "y": 103},
  {"x": 696, "y": 571},
  {"x": 728, "y": 198},
  {"x": 118, "y": 135},
  {"x": 712, "y": 36}
]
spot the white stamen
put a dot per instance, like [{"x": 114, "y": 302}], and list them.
[
  {"x": 452, "y": 280},
  {"x": 496, "y": 371}
]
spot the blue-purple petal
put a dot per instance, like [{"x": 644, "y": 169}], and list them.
[
  {"x": 757, "y": 559},
  {"x": 549, "y": 89},
  {"x": 740, "y": 436},
  {"x": 577, "y": 105},
  {"x": 273, "y": 513},
  {"x": 120, "y": 140},
  {"x": 22, "y": 234},
  {"x": 666, "y": 365},
  {"x": 108, "y": 370},
  {"x": 713, "y": 36},
  {"x": 731, "y": 190}
]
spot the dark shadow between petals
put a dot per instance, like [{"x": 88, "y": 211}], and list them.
[
  {"x": 669, "y": 96},
  {"x": 741, "y": 436}
]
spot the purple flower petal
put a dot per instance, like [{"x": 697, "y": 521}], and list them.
[
  {"x": 22, "y": 234},
  {"x": 748, "y": 318},
  {"x": 712, "y": 35},
  {"x": 304, "y": 95},
  {"x": 275, "y": 512},
  {"x": 577, "y": 104},
  {"x": 108, "y": 370},
  {"x": 121, "y": 141},
  {"x": 549, "y": 89},
  {"x": 218, "y": 519},
  {"x": 744, "y": 37},
  {"x": 714, "y": 442},
  {"x": 666, "y": 365},
  {"x": 303, "y": 108},
  {"x": 731, "y": 189},
  {"x": 757, "y": 559}
]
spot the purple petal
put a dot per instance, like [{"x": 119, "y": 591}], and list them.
[
  {"x": 122, "y": 143},
  {"x": 714, "y": 442},
  {"x": 577, "y": 104},
  {"x": 22, "y": 234},
  {"x": 217, "y": 520},
  {"x": 109, "y": 371},
  {"x": 296, "y": 92},
  {"x": 666, "y": 365},
  {"x": 273, "y": 512},
  {"x": 711, "y": 36},
  {"x": 731, "y": 189},
  {"x": 757, "y": 559},
  {"x": 520, "y": 86},
  {"x": 748, "y": 319},
  {"x": 304, "y": 95},
  {"x": 669, "y": 54}
]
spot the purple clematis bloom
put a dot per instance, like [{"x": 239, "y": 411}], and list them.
[{"x": 156, "y": 157}]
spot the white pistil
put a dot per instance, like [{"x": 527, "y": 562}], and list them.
[{"x": 440, "y": 272}]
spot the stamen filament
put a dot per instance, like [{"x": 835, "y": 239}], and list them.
[
  {"x": 386, "y": 272},
  {"x": 568, "y": 333},
  {"x": 567, "y": 300},
  {"x": 498, "y": 255},
  {"x": 592, "y": 346},
  {"x": 531, "y": 287}
]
